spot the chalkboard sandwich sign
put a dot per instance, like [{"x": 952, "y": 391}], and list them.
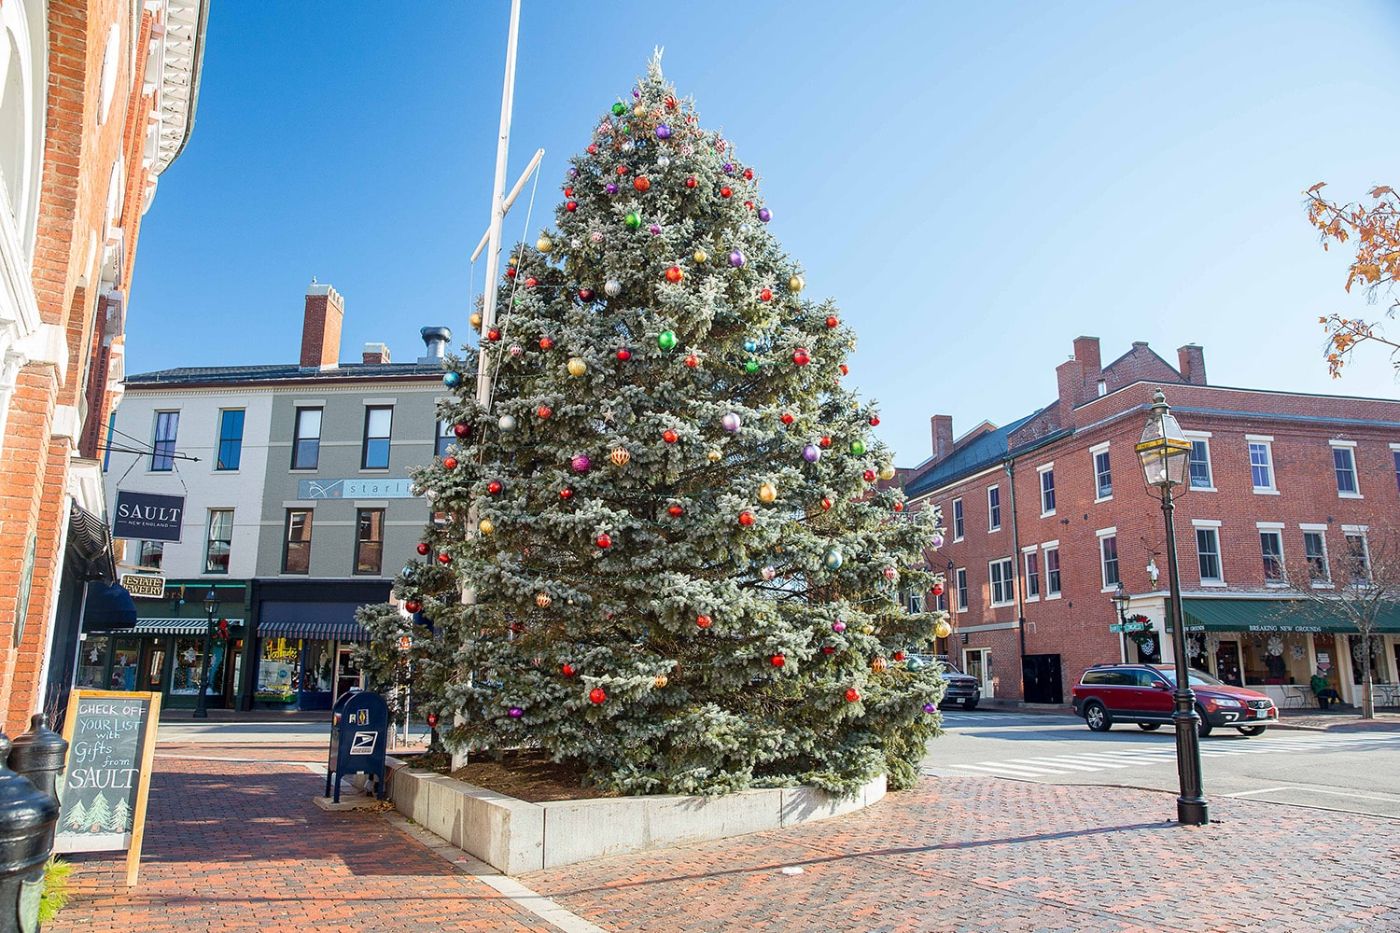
[{"x": 111, "y": 742}]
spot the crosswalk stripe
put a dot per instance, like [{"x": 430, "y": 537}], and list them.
[
  {"x": 1014, "y": 770},
  {"x": 1056, "y": 763}
]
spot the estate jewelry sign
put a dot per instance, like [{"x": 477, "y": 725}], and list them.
[
  {"x": 148, "y": 516},
  {"x": 148, "y": 585},
  {"x": 385, "y": 488}
]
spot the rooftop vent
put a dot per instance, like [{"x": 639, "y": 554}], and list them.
[{"x": 435, "y": 340}]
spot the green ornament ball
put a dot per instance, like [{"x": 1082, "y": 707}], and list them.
[
  {"x": 633, "y": 220},
  {"x": 751, "y": 367},
  {"x": 666, "y": 340},
  {"x": 618, "y": 109},
  {"x": 857, "y": 448}
]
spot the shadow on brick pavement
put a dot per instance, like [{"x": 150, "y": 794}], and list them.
[{"x": 240, "y": 846}]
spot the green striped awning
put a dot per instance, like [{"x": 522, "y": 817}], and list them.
[
  {"x": 347, "y": 630},
  {"x": 1274, "y": 615},
  {"x": 173, "y": 627}
]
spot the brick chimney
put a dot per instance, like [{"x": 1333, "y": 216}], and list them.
[
  {"x": 320, "y": 329},
  {"x": 1078, "y": 377},
  {"x": 942, "y": 429},
  {"x": 375, "y": 354},
  {"x": 1191, "y": 362}
]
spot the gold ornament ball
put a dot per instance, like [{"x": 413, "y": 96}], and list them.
[
  {"x": 544, "y": 244},
  {"x": 475, "y": 320},
  {"x": 767, "y": 493},
  {"x": 661, "y": 681},
  {"x": 868, "y": 629},
  {"x": 942, "y": 629},
  {"x": 879, "y": 665},
  {"x": 542, "y": 600},
  {"x": 486, "y": 526},
  {"x": 577, "y": 367},
  {"x": 639, "y": 111},
  {"x": 887, "y": 472},
  {"x": 620, "y": 456},
  {"x": 796, "y": 284},
  {"x": 713, "y": 456},
  {"x": 701, "y": 256}
]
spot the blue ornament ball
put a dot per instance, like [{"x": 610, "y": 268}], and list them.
[
  {"x": 751, "y": 345},
  {"x": 452, "y": 380}
]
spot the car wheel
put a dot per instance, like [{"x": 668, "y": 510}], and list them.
[
  {"x": 1149, "y": 726},
  {"x": 1098, "y": 717},
  {"x": 1203, "y": 727},
  {"x": 970, "y": 704},
  {"x": 1251, "y": 730}
]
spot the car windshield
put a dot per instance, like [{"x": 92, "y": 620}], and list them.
[
  {"x": 943, "y": 659},
  {"x": 1197, "y": 678}
]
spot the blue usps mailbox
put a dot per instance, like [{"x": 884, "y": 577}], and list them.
[{"x": 359, "y": 734}]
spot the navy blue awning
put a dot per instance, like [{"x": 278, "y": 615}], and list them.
[
  {"x": 349, "y": 630},
  {"x": 109, "y": 606}
]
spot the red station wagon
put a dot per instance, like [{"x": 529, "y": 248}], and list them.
[{"x": 1143, "y": 694}]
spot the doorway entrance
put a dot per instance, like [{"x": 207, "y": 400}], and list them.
[
  {"x": 977, "y": 662},
  {"x": 1041, "y": 675},
  {"x": 1227, "y": 663}
]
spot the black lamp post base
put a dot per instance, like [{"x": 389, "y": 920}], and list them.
[{"x": 1192, "y": 812}]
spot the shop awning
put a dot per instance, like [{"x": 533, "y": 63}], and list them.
[
  {"x": 172, "y": 627},
  {"x": 107, "y": 606},
  {"x": 347, "y": 630},
  {"x": 1274, "y": 615}
]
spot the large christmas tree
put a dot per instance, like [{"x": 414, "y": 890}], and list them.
[{"x": 687, "y": 577}]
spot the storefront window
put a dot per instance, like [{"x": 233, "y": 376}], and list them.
[
  {"x": 92, "y": 662},
  {"x": 1380, "y": 671},
  {"x": 318, "y": 667},
  {"x": 126, "y": 661},
  {"x": 189, "y": 652},
  {"x": 277, "y": 669},
  {"x": 1276, "y": 658}
]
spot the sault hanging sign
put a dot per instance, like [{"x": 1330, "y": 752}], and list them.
[
  {"x": 148, "y": 516},
  {"x": 111, "y": 740}
]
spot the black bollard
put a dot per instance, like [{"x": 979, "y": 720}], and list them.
[
  {"x": 39, "y": 755},
  {"x": 27, "y": 820}
]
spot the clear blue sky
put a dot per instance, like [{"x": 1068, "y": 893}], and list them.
[{"x": 975, "y": 184}]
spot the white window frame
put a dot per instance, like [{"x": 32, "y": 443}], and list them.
[
  {"x": 1395, "y": 458},
  {"x": 990, "y": 489},
  {"x": 1362, "y": 531},
  {"x": 960, "y": 589},
  {"x": 1008, "y": 580},
  {"x": 1040, "y": 472},
  {"x": 1350, "y": 448},
  {"x": 1204, "y": 438},
  {"x": 1321, "y": 531},
  {"x": 1028, "y": 552},
  {"x": 1045, "y": 550},
  {"x": 1102, "y": 534},
  {"x": 1094, "y": 468},
  {"x": 1199, "y": 524},
  {"x": 1276, "y": 529},
  {"x": 1267, "y": 442},
  {"x": 959, "y": 519}
]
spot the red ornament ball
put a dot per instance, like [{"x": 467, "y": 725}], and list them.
[
  {"x": 544, "y": 411},
  {"x": 832, "y": 321},
  {"x": 826, "y": 504},
  {"x": 603, "y": 540},
  {"x": 828, "y": 649},
  {"x": 675, "y": 511},
  {"x": 800, "y": 356},
  {"x": 494, "y": 487},
  {"x": 510, "y": 272},
  {"x": 670, "y": 103},
  {"x": 852, "y": 695},
  {"x": 444, "y": 558},
  {"x": 423, "y": 548},
  {"x": 788, "y": 418},
  {"x": 874, "y": 420},
  {"x": 546, "y": 343},
  {"x": 412, "y": 605},
  {"x": 938, "y": 589},
  {"x": 899, "y": 655},
  {"x": 531, "y": 282},
  {"x": 746, "y": 518},
  {"x": 692, "y": 361},
  {"x": 825, "y": 442},
  {"x": 703, "y": 621},
  {"x": 493, "y": 334},
  {"x": 674, "y": 275},
  {"x": 899, "y": 506},
  {"x": 691, "y": 182},
  {"x": 568, "y": 191},
  {"x": 592, "y": 148},
  {"x": 641, "y": 183},
  {"x": 449, "y": 463},
  {"x": 748, "y": 204},
  {"x": 726, "y": 191},
  {"x": 567, "y": 670},
  {"x": 670, "y": 436},
  {"x": 777, "y": 660},
  {"x": 624, "y": 354},
  {"x": 748, "y": 174},
  {"x": 622, "y": 170},
  {"x": 596, "y": 696},
  {"x": 869, "y": 476},
  {"x": 570, "y": 206},
  {"x": 845, "y": 370},
  {"x": 585, "y": 294},
  {"x": 765, "y": 295},
  {"x": 566, "y": 493},
  {"x": 461, "y": 429}
]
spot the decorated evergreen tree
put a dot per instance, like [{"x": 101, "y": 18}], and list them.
[{"x": 687, "y": 577}]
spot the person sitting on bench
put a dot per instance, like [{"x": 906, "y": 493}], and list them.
[{"x": 1324, "y": 692}]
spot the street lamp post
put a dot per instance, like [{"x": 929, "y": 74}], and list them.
[
  {"x": 1165, "y": 453},
  {"x": 211, "y": 610}
]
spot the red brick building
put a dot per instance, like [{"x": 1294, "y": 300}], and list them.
[
  {"x": 99, "y": 99},
  {"x": 1046, "y": 515}
]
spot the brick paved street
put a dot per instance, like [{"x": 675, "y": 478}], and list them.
[{"x": 239, "y": 846}]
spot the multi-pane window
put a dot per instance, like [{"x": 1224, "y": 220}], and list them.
[
  {"x": 958, "y": 527},
  {"x": 993, "y": 508},
  {"x": 914, "y": 603},
  {"x": 445, "y": 436},
  {"x": 1032, "y": 575},
  {"x": 1344, "y": 465},
  {"x": 296, "y": 553},
  {"x": 1315, "y": 553},
  {"x": 1052, "y": 572},
  {"x": 1261, "y": 465},
  {"x": 1208, "y": 554},
  {"x": 1001, "y": 573},
  {"x": 306, "y": 439},
  {"x": 1358, "y": 556},
  {"x": 940, "y": 601},
  {"x": 1395, "y": 454},
  {"x": 1199, "y": 464},
  {"x": 1103, "y": 475},
  {"x": 369, "y": 540},
  {"x": 1108, "y": 558},
  {"x": 150, "y": 554},
  {"x": 378, "y": 422},
  {"x": 962, "y": 589},
  {"x": 163, "y": 447},
  {"x": 230, "y": 439},
  {"x": 1047, "y": 492},
  {"x": 1271, "y": 550},
  {"x": 219, "y": 541}
]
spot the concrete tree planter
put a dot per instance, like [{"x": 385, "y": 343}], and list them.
[{"x": 515, "y": 836}]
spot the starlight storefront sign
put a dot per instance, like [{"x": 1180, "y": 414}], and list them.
[
  {"x": 148, "y": 516},
  {"x": 385, "y": 488}
]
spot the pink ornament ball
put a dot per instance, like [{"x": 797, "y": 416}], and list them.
[
  {"x": 929, "y": 708},
  {"x": 516, "y": 712},
  {"x": 610, "y": 188},
  {"x": 838, "y": 627},
  {"x": 581, "y": 463}
]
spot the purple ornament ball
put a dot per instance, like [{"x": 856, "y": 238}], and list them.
[
  {"x": 663, "y": 131},
  {"x": 516, "y": 712},
  {"x": 811, "y": 453},
  {"x": 636, "y": 93},
  {"x": 729, "y": 168},
  {"x": 655, "y": 229},
  {"x": 764, "y": 214},
  {"x": 731, "y": 422},
  {"x": 937, "y": 541},
  {"x": 573, "y": 173},
  {"x": 929, "y": 707},
  {"x": 737, "y": 260},
  {"x": 610, "y": 188},
  {"x": 581, "y": 463},
  {"x": 838, "y": 627}
]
